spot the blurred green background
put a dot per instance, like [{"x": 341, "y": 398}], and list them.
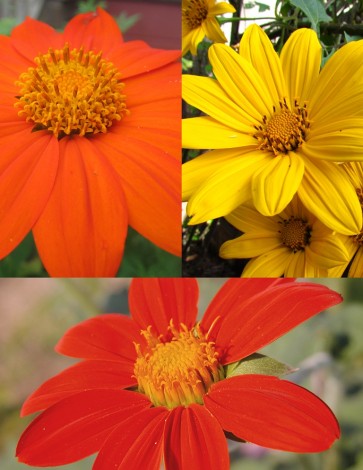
[{"x": 328, "y": 350}]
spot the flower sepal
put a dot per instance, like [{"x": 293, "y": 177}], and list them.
[{"x": 258, "y": 364}]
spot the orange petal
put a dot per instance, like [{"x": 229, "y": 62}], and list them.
[
  {"x": 137, "y": 57},
  {"x": 96, "y": 31},
  {"x": 151, "y": 182},
  {"x": 194, "y": 440},
  {"x": 33, "y": 37},
  {"x": 82, "y": 230},
  {"x": 27, "y": 171}
]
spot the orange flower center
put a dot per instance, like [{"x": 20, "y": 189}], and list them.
[
  {"x": 179, "y": 371},
  {"x": 194, "y": 13},
  {"x": 285, "y": 131},
  {"x": 295, "y": 233},
  {"x": 71, "y": 92}
]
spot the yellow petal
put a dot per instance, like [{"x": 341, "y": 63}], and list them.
[
  {"x": 207, "y": 133},
  {"x": 300, "y": 59},
  {"x": 207, "y": 95},
  {"x": 327, "y": 253},
  {"x": 356, "y": 269},
  {"x": 213, "y": 30},
  {"x": 327, "y": 192},
  {"x": 277, "y": 182},
  {"x": 220, "y": 8},
  {"x": 352, "y": 247},
  {"x": 341, "y": 73},
  {"x": 337, "y": 141},
  {"x": 296, "y": 266},
  {"x": 225, "y": 189},
  {"x": 196, "y": 171},
  {"x": 257, "y": 48},
  {"x": 241, "y": 82},
  {"x": 247, "y": 220},
  {"x": 249, "y": 246},
  {"x": 271, "y": 264}
]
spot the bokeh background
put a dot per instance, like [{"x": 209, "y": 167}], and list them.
[{"x": 327, "y": 350}]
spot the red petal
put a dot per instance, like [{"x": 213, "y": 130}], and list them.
[
  {"x": 194, "y": 440},
  {"x": 151, "y": 182},
  {"x": 96, "y": 31},
  {"x": 136, "y": 443},
  {"x": 137, "y": 57},
  {"x": 252, "y": 318},
  {"x": 235, "y": 292},
  {"x": 107, "y": 337},
  {"x": 82, "y": 230},
  {"x": 42, "y": 37},
  {"x": 28, "y": 169},
  {"x": 273, "y": 413},
  {"x": 156, "y": 301},
  {"x": 86, "y": 375},
  {"x": 77, "y": 426}
]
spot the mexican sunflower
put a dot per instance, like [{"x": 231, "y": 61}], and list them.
[
  {"x": 162, "y": 385},
  {"x": 292, "y": 243},
  {"x": 277, "y": 125},
  {"x": 89, "y": 142},
  {"x": 199, "y": 20}
]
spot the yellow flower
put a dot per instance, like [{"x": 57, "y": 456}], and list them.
[
  {"x": 277, "y": 125},
  {"x": 198, "y": 20},
  {"x": 293, "y": 243},
  {"x": 354, "y": 243}
]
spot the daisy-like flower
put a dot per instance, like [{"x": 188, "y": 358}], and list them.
[
  {"x": 293, "y": 243},
  {"x": 198, "y": 21},
  {"x": 161, "y": 385},
  {"x": 89, "y": 140},
  {"x": 354, "y": 243},
  {"x": 277, "y": 125}
]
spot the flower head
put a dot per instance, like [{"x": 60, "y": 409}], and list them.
[
  {"x": 277, "y": 125},
  {"x": 198, "y": 20},
  {"x": 90, "y": 139},
  {"x": 292, "y": 243},
  {"x": 163, "y": 385}
]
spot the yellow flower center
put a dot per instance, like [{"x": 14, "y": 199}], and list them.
[
  {"x": 71, "y": 92},
  {"x": 285, "y": 131},
  {"x": 295, "y": 233},
  {"x": 194, "y": 13},
  {"x": 179, "y": 371}
]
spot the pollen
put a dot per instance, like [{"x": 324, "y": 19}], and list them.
[
  {"x": 295, "y": 233},
  {"x": 71, "y": 92},
  {"x": 285, "y": 131},
  {"x": 179, "y": 371},
  {"x": 195, "y": 13}
]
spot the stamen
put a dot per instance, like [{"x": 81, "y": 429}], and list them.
[
  {"x": 195, "y": 13},
  {"x": 179, "y": 371},
  {"x": 285, "y": 131},
  {"x": 71, "y": 92},
  {"x": 295, "y": 233}
]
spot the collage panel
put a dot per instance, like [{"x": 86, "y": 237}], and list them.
[
  {"x": 272, "y": 138},
  {"x": 90, "y": 138},
  {"x": 181, "y": 373}
]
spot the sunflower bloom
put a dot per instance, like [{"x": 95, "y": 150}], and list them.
[
  {"x": 198, "y": 20},
  {"x": 292, "y": 244},
  {"x": 277, "y": 125},
  {"x": 161, "y": 385},
  {"x": 89, "y": 141}
]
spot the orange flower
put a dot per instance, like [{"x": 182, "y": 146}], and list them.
[{"x": 89, "y": 138}]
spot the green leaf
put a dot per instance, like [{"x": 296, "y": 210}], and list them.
[
  {"x": 262, "y": 7},
  {"x": 314, "y": 11},
  {"x": 258, "y": 364}
]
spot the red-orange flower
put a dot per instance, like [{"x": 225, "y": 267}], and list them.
[
  {"x": 89, "y": 138},
  {"x": 167, "y": 392}
]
